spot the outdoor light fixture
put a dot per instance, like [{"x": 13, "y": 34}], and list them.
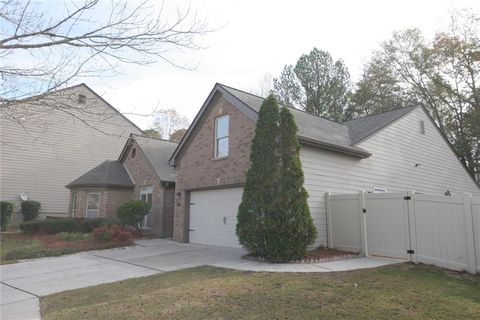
[{"x": 177, "y": 196}]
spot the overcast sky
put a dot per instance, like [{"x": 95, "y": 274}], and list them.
[{"x": 259, "y": 37}]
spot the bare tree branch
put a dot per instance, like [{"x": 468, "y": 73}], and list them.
[{"x": 43, "y": 50}]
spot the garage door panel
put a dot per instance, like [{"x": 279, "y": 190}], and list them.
[{"x": 213, "y": 216}]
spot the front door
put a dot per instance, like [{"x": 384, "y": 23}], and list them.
[{"x": 146, "y": 194}]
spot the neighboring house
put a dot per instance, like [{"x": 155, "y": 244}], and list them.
[
  {"x": 394, "y": 151},
  {"x": 51, "y": 146},
  {"x": 141, "y": 172}
]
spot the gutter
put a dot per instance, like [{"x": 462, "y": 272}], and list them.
[
  {"x": 362, "y": 154},
  {"x": 99, "y": 186}
]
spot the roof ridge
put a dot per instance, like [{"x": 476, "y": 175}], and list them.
[
  {"x": 147, "y": 137},
  {"x": 289, "y": 107},
  {"x": 383, "y": 112}
]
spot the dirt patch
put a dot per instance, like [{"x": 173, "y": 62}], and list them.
[{"x": 318, "y": 255}]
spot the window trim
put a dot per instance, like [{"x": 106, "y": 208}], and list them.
[
  {"x": 86, "y": 204},
  {"x": 217, "y": 139},
  {"x": 74, "y": 204}
]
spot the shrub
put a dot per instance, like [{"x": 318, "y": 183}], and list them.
[
  {"x": 57, "y": 225},
  {"x": 6, "y": 210},
  {"x": 132, "y": 212},
  {"x": 117, "y": 232},
  {"x": 88, "y": 225},
  {"x": 49, "y": 226},
  {"x": 30, "y": 210},
  {"x": 102, "y": 233},
  {"x": 72, "y": 236},
  {"x": 34, "y": 251}
]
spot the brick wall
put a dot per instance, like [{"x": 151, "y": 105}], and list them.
[
  {"x": 110, "y": 199},
  {"x": 142, "y": 174},
  {"x": 196, "y": 166}
]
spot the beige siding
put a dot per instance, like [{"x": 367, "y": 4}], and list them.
[
  {"x": 395, "y": 151},
  {"x": 56, "y": 148}
]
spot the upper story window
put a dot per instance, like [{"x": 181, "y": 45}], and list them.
[
  {"x": 221, "y": 136},
  {"x": 422, "y": 127},
  {"x": 134, "y": 153}
]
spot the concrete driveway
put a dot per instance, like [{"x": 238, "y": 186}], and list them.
[{"x": 23, "y": 283}]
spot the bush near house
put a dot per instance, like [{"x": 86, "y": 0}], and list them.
[
  {"x": 30, "y": 209},
  {"x": 6, "y": 210},
  {"x": 57, "y": 225},
  {"x": 116, "y": 232},
  {"x": 48, "y": 226},
  {"x": 274, "y": 220},
  {"x": 132, "y": 212}
]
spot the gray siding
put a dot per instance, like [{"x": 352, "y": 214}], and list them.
[
  {"x": 56, "y": 148},
  {"x": 395, "y": 151}
]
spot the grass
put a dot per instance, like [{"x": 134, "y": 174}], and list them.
[
  {"x": 7, "y": 245},
  {"x": 395, "y": 292}
]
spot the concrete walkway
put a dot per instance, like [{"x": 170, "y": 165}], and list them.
[{"x": 23, "y": 283}]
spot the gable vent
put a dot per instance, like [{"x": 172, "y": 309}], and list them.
[{"x": 82, "y": 99}]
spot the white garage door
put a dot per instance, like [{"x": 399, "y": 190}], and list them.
[{"x": 213, "y": 216}]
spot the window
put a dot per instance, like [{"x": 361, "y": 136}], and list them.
[
  {"x": 93, "y": 205},
  {"x": 134, "y": 153},
  {"x": 422, "y": 127},
  {"x": 146, "y": 194},
  {"x": 221, "y": 136},
  {"x": 74, "y": 204},
  {"x": 82, "y": 98}
]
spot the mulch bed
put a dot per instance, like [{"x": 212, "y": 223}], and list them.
[
  {"x": 52, "y": 241},
  {"x": 315, "y": 256}
]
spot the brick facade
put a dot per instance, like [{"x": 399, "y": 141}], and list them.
[
  {"x": 110, "y": 199},
  {"x": 196, "y": 166},
  {"x": 143, "y": 174}
]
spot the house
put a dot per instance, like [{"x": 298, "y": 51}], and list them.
[
  {"x": 393, "y": 151},
  {"x": 65, "y": 133},
  {"x": 140, "y": 172}
]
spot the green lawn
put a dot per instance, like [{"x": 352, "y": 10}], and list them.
[
  {"x": 396, "y": 292},
  {"x": 6, "y": 245}
]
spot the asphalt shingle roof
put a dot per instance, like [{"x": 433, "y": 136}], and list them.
[
  {"x": 364, "y": 127},
  {"x": 108, "y": 174},
  {"x": 344, "y": 135},
  {"x": 158, "y": 152}
]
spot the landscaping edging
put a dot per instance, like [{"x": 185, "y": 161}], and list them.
[{"x": 312, "y": 260}]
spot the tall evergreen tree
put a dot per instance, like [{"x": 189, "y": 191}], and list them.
[
  {"x": 290, "y": 229},
  {"x": 274, "y": 219},
  {"x": 259, "y": 195},
  {"x": 317, "y": 84}
]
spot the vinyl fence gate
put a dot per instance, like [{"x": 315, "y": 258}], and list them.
[{"x": 439, "y": 230}]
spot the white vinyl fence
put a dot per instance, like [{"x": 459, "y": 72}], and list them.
[{"x": 439, "y": 230}]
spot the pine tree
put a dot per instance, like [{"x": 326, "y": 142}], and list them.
[
  {"x": 261, "y": 186},
  {"x": 292, "y": 229},
  {"x": 274, "y": 219}
]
